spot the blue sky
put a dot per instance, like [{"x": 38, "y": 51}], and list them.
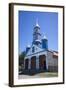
[{"x": 48, "y": 22}]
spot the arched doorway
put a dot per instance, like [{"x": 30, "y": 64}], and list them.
[
  {"x": 33, "y": 62},
  {"x": 26, "y": 63},
  {"x": 42, "y": 62}
]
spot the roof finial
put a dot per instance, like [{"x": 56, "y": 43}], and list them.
[
  {"x": 28, "y": 45},
  {"x": 37, "y": 22},
  {"x": 44, "y": 37}
]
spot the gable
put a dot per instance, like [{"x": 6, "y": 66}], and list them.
[{"x": 34, "y": 49}]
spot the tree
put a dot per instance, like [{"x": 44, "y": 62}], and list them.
[{"x": 21, "y": 58}]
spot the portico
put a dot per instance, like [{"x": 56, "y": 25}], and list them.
[{"x": 35, "y": 62}]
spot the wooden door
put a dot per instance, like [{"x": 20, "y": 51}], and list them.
[
  {"x": 42, "y": 62},
  {"x": 33, "y": 62}
]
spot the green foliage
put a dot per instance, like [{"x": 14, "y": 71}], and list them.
[{"x": 21, "y": 58}]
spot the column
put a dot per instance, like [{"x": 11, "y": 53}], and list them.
[
  {"x": 47, "y": 62},
  {"x": 24, "y": 63},
  {"x": 29, "y": 63},
  {"x": 37, "y": 62}
]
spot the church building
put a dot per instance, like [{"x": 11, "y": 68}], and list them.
[{"x": 38, "y": 56}]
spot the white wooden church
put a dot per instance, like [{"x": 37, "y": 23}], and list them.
[{"x": 38, "y": 56}]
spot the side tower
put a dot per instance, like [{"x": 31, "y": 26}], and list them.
[
  {"x": 27, "y": 48},
  {"x": 37, "y": 35},
  {"x": 45, "y": 43}
]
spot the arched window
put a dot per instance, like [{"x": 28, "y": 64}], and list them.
[{"x": 33, "y": 49}]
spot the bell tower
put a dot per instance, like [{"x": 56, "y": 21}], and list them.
[{"x": 37, "y": 35}]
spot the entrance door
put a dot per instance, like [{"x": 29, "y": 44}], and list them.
[
  {"x": 42, "y": 62},
  {"x": 26, "y": 63},
  {"x": 33, "y": 62}
]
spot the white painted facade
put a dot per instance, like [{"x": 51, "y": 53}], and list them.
[
  {"x": 40, "y": 48},
  {"x": 50, "y": 60}
]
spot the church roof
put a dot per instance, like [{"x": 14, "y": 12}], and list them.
[{"x": 38, "y": 40}]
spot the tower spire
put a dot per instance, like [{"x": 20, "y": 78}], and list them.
[
  {"x": 37, "y": 34},
  {"x": 37, "y": 23}
]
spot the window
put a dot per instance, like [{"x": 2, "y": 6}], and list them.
[{"x": 33, "y": 49}]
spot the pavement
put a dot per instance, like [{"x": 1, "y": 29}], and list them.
[{"x": 39, "y": 75}]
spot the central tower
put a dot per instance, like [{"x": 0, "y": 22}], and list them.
[{"x": 37, "y": 35}]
